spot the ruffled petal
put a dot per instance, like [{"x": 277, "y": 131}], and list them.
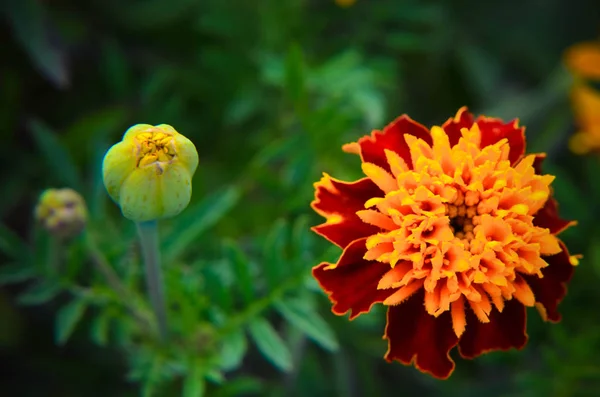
[
  {"x": 547, "y": 217},
  {"x": 452, "y": 126},
  {"x": 504, "y": 331},
  {"x": 352, "y": 282},
  {"x": 494, "y": 130},
  {"x": 372, "y": 148},
  {"x": 551, "y": 289},
  {"x": 338, "y": 202},
  {"x": 417, "y": 337}
]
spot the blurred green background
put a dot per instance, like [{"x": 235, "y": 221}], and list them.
[{"x": 268, "y": 90}]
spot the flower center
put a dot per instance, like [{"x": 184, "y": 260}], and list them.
[
  {"x": 154, "y": 147},
  {"x": 461, "y": 221}
]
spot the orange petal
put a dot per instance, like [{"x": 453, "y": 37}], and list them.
[
  {"x": 523, "y": 292},
  {"x": 403, "y": 293},
  {"x": 380, "y": 177},
  {"x": 459, "y": 321},
  {"x": 394, "y": 275},
  {"x": 378, "y": 219}
]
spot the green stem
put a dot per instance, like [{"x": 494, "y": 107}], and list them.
[
  {"x": 113, "y": 280},
  {"x": 148, "y": 232}
]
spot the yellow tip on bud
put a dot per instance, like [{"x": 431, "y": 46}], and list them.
[{"x": 149, "y": 173}]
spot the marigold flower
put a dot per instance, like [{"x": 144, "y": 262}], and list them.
[
  {"x": 62, "y": 212},
  {"x": 453, "y": 229},
  {"x": 583, "y": 61},
  {"x": 149, "y": 172}
]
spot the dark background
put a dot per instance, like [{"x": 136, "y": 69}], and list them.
[{"x": 239, "y": 76}]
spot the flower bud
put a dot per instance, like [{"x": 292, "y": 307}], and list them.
[
  {"x": 62, "y": 212},
  {"x": 149, "y": 173}
]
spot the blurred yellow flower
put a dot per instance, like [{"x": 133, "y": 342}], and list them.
[
  {"x": 345, "y": 3},
  {"x": 62, "y": 212},
  {"x": 583, "y": 61},
  {"x": 149, "y": 173}
]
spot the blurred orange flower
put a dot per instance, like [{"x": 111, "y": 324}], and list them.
[
  {"x": 583, "y": 61},
  {"x": 345, "y": 3},
  {"x": 454, "y": 229}
]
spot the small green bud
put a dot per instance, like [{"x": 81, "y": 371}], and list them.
[
  {"x": 62, "y": 212},
  {"x": 149, "y": 173}
]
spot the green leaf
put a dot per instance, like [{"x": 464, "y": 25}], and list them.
[
  {"x": 241, "y": 268},
  {"x": 58, "y": 159},
  {"x": 83, "y": 134},
  {"x": 67, "y": 318},
  {"x": 276, "y": 150},
  {"x": 409, "y": 42},
  {"x": 217, "y": 288},
  {"x": 270, "y": 344},
  {"x": 233, "y": 349},
  {"x": 39, "y": 293},
  {"x": 215, "y": 376},
  {"x": 15, "y": 272},
  {"x": 241, "y": 386},
  {"x": 483, "y": 69},
  {"x": 302, "y": 238},
  {"x": 301, "y": 315},
  {"x": 12, "y": 245},
  {"x": 151, "y": 14},
  {"x": 195, "y": 221},
  {"x": 294, "y": 75},
  {"x": 298, "y": 170},
  {"x": 116, "y": 69},
  {"x": 28, "y": 22},
  {"x": 100, "y": 327},
  {"x": 194, "y": 384},
  {"x": 592, "y": 170},
  {"x": 152, "y": 376},
  {"x": 274, "y": 253}
]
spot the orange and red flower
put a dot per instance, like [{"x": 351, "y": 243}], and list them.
[{"x": 454, "y": 229}]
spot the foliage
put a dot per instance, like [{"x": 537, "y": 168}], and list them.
[{"x": 268, "y": 91}]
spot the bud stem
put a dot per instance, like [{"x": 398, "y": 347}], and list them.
[{"x": 148, "y": 232}]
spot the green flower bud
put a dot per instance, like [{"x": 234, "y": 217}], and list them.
[
  {"x": 149, "y": 173},
  {"x": 62, "y": 212}
]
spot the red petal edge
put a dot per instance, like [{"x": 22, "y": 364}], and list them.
[
  {"x": 416, "y": 337},
  {"x": 551, "y": 289},
  {"x": 372, "y": 148},
  {"x": 343, "y": 199},
  {"x": 548, "y": 217},
  {"x": 452, "y": 126},
  {"x": 493, "y": 130},
  {"x": 352, "y": 282},
  {"x": 505, "y": 331}
]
